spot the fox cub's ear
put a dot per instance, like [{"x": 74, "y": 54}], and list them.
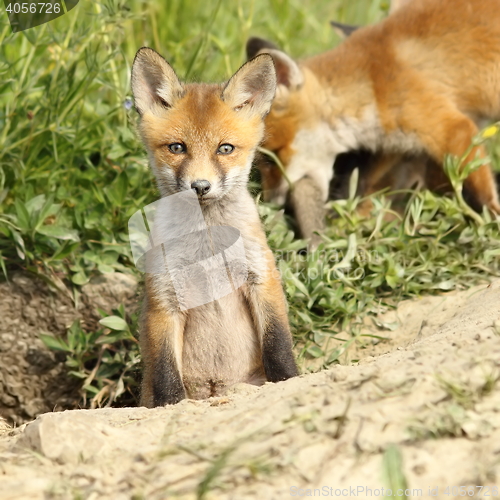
[
  {"x": 287, "y": 71},
  {"x": 256, "y": 45},
  {"x": 154, "y": 83},
  {"x": 253, "y": 86},
  {"x": 343, "y": 30}
]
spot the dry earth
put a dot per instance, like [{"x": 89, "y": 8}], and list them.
[{"x": 430, "y": 392}]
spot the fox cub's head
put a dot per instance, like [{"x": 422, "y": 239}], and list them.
[
  {"x": 201, "y": 136},
  {"x": 291, "y": 114}
]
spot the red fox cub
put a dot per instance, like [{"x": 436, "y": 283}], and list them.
[
  {"x": 415, "y": 84},
  {"x": 379, "y": 171},
  {"x": 203, "y": 137}
]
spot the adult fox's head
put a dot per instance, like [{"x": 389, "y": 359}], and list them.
[{"x": 201, "y": 136}]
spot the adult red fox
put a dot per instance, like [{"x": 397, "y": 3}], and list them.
[
  {"x": 203, "y": 137},
  {"x": 416, "y": 84}
]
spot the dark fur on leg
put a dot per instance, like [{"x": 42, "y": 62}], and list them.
[
  {"x": 168, "y": 388},
  {"x": 277, "y": 355}
]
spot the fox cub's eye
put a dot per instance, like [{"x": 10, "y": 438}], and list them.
[
  {"x": 177, "y": 148},
  {"x": 225, "y": 149}
]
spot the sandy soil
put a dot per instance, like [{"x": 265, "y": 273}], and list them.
[{"x": 430, "y": 393}]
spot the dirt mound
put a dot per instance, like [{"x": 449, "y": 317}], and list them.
[
  {"x": 33, "y": 379},
  {"x": 434, "y": 400}
]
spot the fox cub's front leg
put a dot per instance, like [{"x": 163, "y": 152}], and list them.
[
  {"x": 269, "y": 307},
  {"x": 306, "y": 203},
  {"x": 161, "y": 347}
]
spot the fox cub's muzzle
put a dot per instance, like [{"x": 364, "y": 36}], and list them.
[{"x": 201, "y": 187}]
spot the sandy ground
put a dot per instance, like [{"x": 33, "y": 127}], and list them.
[{"x": 429, "y": 395}]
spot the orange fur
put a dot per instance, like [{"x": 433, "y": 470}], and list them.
[
  {"x": 417, "y": 83},
  {"x": 242, "y": 335}
]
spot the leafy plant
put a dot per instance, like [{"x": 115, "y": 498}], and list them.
[
  {"x": 106, "y": 361},
  {"x": 368, "y": 264},
  {"x": 71, "y": 169}
]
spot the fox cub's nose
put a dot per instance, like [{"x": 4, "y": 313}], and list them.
[{"x": 201, "y": 187}]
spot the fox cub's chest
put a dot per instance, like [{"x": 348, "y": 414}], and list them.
[{"x": 221, "y": 347}]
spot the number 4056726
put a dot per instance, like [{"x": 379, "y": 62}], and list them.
[
  {"x": 472, "y": 491},
  {"x": 33, "y": 8}
]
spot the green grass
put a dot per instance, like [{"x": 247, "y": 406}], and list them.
[
  {"x": 72, "y": 172},
  {"x": 392, "y": 463}
]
